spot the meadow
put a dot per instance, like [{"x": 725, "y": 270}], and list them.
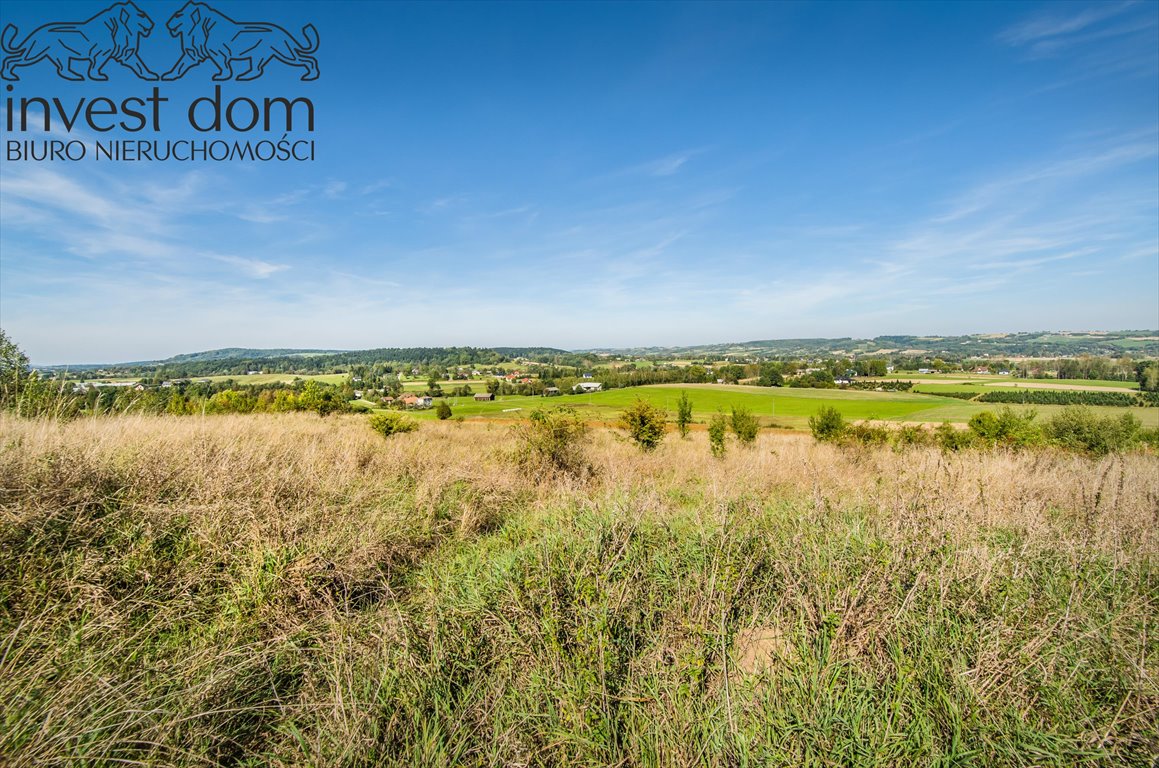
[
  {"x": 291, "y": 590},
  {"x": 775, "y": 406},
  {"x": 1006, "y": 381}
]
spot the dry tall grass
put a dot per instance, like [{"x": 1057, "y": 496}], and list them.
[{"x": 292, "y": 590}]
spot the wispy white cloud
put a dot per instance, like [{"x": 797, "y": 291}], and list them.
[
  {"x": 666, "y": 166},
  {"x": 256, "y": 268},
  {"x": 1052, "y": 24},
  {"x": 1103, "y": 39}
]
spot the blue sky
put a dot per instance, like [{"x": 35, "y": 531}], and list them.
[{"x": 601, "y": 174}]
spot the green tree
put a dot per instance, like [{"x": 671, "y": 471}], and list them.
[
  {"x": 717, "y": 432},
  {"x": 827, "y": 424},
  {"x": 683, "y": 413},
  {"x": 730, "y": 373},
  {"x": 744, "y": 425},
  {"x": 493, "y": 386},
  {"x": 320, "y": 398},
  {"x": 443, "y": 411},
  {"x": 13, "y": 370},
  {"x": 770, "y": 375},
  {"x": 645, "y": 424},
  {"x": 1148, "y": 376}
]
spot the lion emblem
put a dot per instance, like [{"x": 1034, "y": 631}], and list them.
[
  {"x": 208, "y": 34},
  {"x": 111, "y": 35}
]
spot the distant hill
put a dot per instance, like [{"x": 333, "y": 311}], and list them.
[
  {"x": 1140, "y": 343},
  {"x": 239, "y": 360},
  {"x": 1037, "y": 344},
  {"x": 238, "y": 353}
]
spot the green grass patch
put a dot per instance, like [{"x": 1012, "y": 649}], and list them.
[{"x": 781, "y": 406}]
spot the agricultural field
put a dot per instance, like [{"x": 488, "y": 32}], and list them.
[
  {"x": 293, "y": 590},
  {"x": 255, "y": 379},
  {"x": 1006, "y": 381},
  {"x": 775, "y": 406},
  {"x": 281, "y": 378}
]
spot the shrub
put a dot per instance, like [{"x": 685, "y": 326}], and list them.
[
  {"x": 865, "y": 434},
  {"x": 443, "y": 411},
  {"x": 683, "y": 413},
  {"x": 1078, "y": 428},
  {"x": 952, "y": 439},
  {"x": 912, "y": 435},
  {"x": 1150, "y": 437},
  {"x": 744, "y": 425},
  {"x": 1008, "y": 427},
  {"x": 717, "y": 432},
  {"x": 390, "y": 423},
  {"x": 827, "y": 424},
  {"x": 645, "y": 424},
  {"x": 555, "y": 439}
]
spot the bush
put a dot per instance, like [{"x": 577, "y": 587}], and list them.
[
  {"x": 912, "y": 435},
  {"x": 683, "y": 413},
  {"x": 744, "y": 425},
  {"x": 827, "y": 424},
  {"x": 1008, "y": 427},
  {"x": 1080, "y": 429},
  {"x": 952, "y": 439},
  {"x": 555, "y": 439},
  {"x": 865, "y": 434},
  {"x": 1150, "y": 438},
  {"x": 443, "y": 411},
  {"x": 717, "y": 432},
  {"x": 645, "y": 424},
  {"x": 390, "y": 423}
]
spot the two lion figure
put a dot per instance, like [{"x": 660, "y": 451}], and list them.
[{"x": 114, "y": 34}]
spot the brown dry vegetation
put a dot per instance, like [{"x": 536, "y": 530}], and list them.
[{"x": 290, "y": 590}]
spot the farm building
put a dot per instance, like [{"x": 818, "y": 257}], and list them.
[
  {"x": 550, "y": 391},
  {"x": 588, "y": 386},
  {"x": 484, "y": 397}
]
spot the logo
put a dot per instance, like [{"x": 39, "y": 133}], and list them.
[
  {"x": 208, "y": 34},
  {"x": 205, "y": 34},
  {"x": 111, "y": 35}
]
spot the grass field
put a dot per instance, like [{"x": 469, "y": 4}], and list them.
[
  {"x": 285, "y": 378},
  {"x": 781, "y": 406},
  {"x": 292, "y": 591},
  {"x": 1004, "y": 381}
]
